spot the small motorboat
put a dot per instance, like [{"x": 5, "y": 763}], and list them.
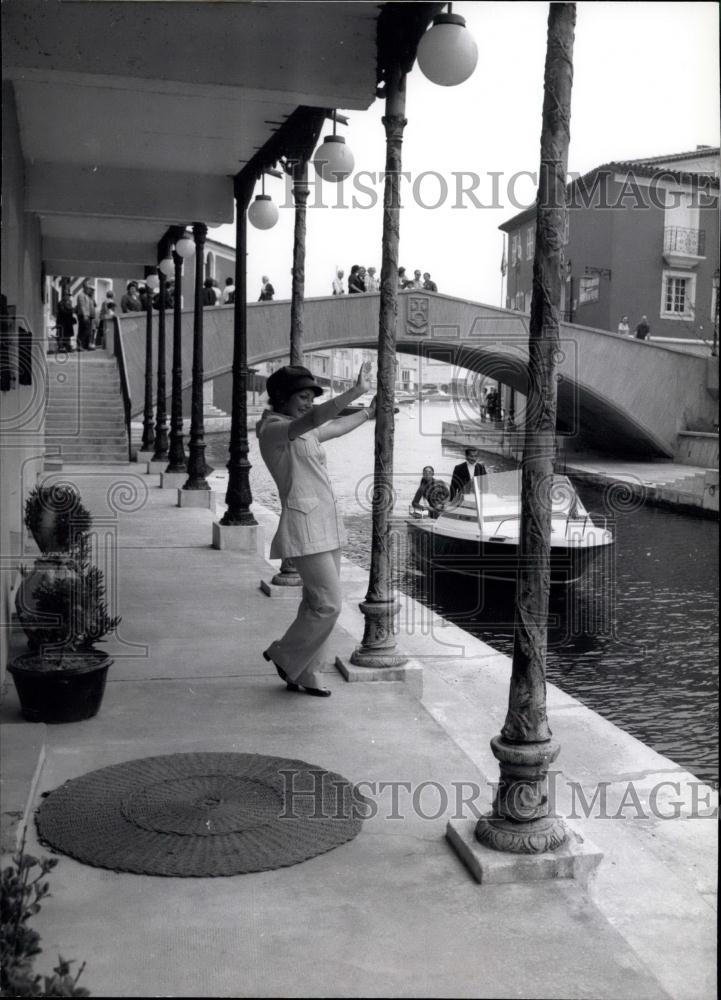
[{"x": 480, "y": 534}]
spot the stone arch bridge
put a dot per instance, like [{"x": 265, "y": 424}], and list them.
[{"x": 615, "y": 394}]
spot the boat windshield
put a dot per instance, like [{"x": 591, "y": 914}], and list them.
[{"x": 506, "y": 486}]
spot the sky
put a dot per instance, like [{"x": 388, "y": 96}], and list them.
[{"x": 646, "y": 83}]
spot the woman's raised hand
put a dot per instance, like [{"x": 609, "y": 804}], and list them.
[{"x": 363, "y": 381}]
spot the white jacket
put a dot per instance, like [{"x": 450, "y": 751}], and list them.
[{"x": 309, "y": 520}]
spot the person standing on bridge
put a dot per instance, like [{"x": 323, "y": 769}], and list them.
[
  {"x": 372, "y": 282},
  {"x": 130, "y": 302},
  {"x": 338, "y": 288},
  {"x": 356, "y": 284},
  {"x": 643, "y": 329},
  {"x": 310, "y": 530},
  {"x": 266, "y": 290},
  {"x": 623, "y": 328},
  {"x": 229, "y": 292}
]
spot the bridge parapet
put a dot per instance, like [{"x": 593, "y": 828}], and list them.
[{"x": 617, "y": 393}]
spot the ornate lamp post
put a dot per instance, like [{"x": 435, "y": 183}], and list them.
[
  {"x": 196, "y": 462},
  {"x": 378, "y": 647},
  {"x": 520, "y": 822},
  {"x": 176, "y": 454},
  {"x": 161, "y": 418},
  {"x": 148, "y": 436},
  {"x": 298, "y": 169},
  {"x": 238, "y": 496},
  {"x": 401, "y": 28}
]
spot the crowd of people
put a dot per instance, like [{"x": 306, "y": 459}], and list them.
[
  {"x": 362, "y": 279},
  {"x": 91, "y": 321}
]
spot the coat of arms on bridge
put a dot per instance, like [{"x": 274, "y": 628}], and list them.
[{"x": 417, "y": 317}]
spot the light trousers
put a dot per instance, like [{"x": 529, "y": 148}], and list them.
[{"x": 299, "y": 652}]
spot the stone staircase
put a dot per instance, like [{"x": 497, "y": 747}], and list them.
[{"x": 84, "y": 416}]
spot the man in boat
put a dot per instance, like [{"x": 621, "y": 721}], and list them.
[{"x": 463, "y": 474}]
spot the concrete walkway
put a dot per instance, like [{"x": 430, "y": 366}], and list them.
[{"x": 393, "y": 912}]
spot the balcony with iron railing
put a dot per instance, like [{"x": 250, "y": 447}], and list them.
[{"x": 682, "y": 247}]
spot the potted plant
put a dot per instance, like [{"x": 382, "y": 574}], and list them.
[
  {"x": 64, "y": 614},
  {"x": 56, "y": 517}
]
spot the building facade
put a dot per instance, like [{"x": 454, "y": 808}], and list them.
[{"x": 642, "y": 240}]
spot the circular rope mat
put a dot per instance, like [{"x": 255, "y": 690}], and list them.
[{"x": 201, "y": 814}]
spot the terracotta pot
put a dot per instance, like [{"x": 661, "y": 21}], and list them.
[{"x": 70, "y": 694}]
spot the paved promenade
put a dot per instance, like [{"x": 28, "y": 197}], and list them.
[{"x": 393, "y": 912}]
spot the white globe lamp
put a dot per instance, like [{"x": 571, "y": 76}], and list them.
[
  {"x": 185, "y": 247},
  {"x": 153, "y": 282},
  {"x": 263, "y": 213},
  {"x": 333, "y": 160},
  {"x": 167, "y": 267},
  {"x": 447, "y": 53}
]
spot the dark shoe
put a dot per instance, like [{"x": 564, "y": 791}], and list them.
[
  {"x": 320, "y": 692},
  {"x": 281, "y": 673}
]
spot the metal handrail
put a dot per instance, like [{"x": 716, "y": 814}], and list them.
[{"x": 119, "y": 354}]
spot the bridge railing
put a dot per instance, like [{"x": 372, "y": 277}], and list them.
[{"x": 641, "y": 393}]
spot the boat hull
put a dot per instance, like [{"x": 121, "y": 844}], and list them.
[{"x": 497, "y": 560}]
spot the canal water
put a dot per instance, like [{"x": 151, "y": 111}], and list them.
[{"x": 635, "y": 639}]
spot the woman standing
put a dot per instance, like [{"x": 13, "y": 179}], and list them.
[{"x": 311, "y": 530}]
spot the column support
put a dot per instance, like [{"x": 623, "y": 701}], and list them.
[
  {"x": 521, "y": 821},
  {"x": 196, "y": 463},
  {"x": 238, "y": 496},
  {"x": 176, "y": 455},
  {"x": 148, "y": 436},
  {"x": 288, "y": 575},
  {"x": 380, "y": 607},
  {"x": 161, "y": 419}
]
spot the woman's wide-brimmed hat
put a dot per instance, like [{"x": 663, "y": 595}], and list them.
[{"x": 289, "y": 379}]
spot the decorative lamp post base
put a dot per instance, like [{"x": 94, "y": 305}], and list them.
[
  {"x": 410, "y": 672},
  {"x": 575, "y": 858},
  {"x": 521, "y": 821},
  {"x": 195, "y": 498},
  {"x": 238, "y": 537},
  {"x": 288, "y": 576},
  {"x": 173, "y": 480},
  {"x": 536, "y": 837},
  {"x": 378, "y": 648}
]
